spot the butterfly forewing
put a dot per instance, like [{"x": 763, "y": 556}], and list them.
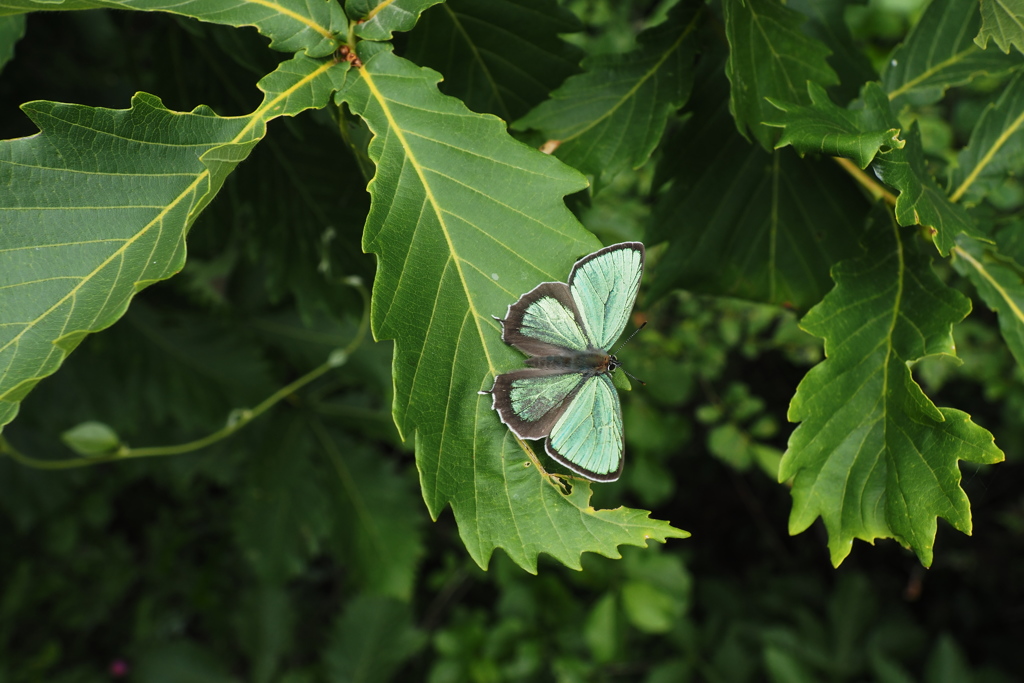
[
  {"x": 588, "y": 437},
  {"x": 544, "y": 322},
  {"x": 604, "y": 286},
  {"x": 548, "y": 320}
]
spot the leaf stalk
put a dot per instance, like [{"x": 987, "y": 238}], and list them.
[{"x": 237, "y": 420}]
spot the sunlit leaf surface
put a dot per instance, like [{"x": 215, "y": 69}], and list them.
[
  {"x": 316, "y": 27},
  {"x": 108, "y": 198},
  {"x": 463, "y": 220}
]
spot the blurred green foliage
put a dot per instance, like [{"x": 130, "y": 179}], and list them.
[{"x": 299, "y": 550}]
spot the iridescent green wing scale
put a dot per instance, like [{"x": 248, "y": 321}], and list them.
[
  {"x": 544, "y": 322},
  {"x": 531, "y": 400},
  {"x": 588, "y": 438},
  {"x": 604, "y": 286}
]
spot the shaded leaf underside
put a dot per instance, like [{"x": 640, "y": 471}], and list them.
[
  {"x": 769, "y": 57},
  {"x": 611, "y": 116},
  {"x": 500, "y": 57},
  {"x": 765, "y": 227},
  {"x": 996, "y": 148},
  {"x": 1003, "y": 22},
  {"x": 314, "y": 27},
  {"x": 1000, "y": 282},
  {"x": 939, "y": 54}
]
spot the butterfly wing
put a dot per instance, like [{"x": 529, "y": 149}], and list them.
[
  {"x": 567, "y": 395},
  {"x": 603, "y": 287},
  {"x": 588, "y": 437},
  {"x": 530, "y": 401},
  {"x": 545, "y": 322}
]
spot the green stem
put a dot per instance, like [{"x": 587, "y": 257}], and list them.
[{"x": 337, "y": 358}]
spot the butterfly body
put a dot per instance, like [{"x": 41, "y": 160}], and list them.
[
  {"x": 565, "y": 394},
  {"x": 589, "y": 363}
]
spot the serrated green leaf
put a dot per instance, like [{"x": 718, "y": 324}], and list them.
[
  {"x": 921, "y": 201},
  {"x": 1000, "y": 282},
  {"x": 873, "y": 456},
  {"x": 463, "y": 220},
  {"x": 611, "y": 116},
  {"x": 1003, "y": 22},
  {"x": 748, "y": 224},
  {"x": 996, "y": 148},
  {"x": 265, "y": 623},
  {"x": 526, "y": 514},
  {"x": 284, "y": 511},
  {"x": 377, "y": 19},
  {"x": 12, "y": 29},
  {"x": 315, "y": 27},
  {"x": 769, "y": 57},
  {"x": 939, "y": 54},
  {"x": 105, "y": 198},
  {"x": 824, "y": 128},
  {"x": 377, "y": 519},
  {"x": 827, "y": 23},
  {"x": 489, "y": 66},
  {"x": 370, "y": 641}
]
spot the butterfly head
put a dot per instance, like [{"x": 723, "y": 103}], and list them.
[{"x": 613, "y": 364}]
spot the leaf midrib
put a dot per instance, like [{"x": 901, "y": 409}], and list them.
[
  {"x": 649, "y": 74},
  {"x": 324, "y": 32},
  {"x": 439, "y": 213},
  {"x": 931, "y": 71},
  {"x": 986, "y": 159}
]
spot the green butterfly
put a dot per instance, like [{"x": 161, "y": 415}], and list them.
[{"x": 566, "y": 394}]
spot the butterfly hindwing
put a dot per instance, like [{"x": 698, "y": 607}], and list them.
[
  {"x": 604, "y": 286},
  {"x": 588, "y": 437},
  {"x": 531, "y": 400}
]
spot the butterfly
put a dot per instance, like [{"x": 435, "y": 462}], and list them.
[{"x": 566, "y": 394}]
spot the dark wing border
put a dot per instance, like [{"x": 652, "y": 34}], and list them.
[
  {"x": 583, "y": 472},
  {"x": 502, "y": 403},
  {"x": 605, "y": 343},
  {"x": 513, "y": 321}
]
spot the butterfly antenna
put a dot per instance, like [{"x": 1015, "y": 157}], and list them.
[
  {"x": 628, "y": 375},
  {"x": 642, "y": 326}
]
